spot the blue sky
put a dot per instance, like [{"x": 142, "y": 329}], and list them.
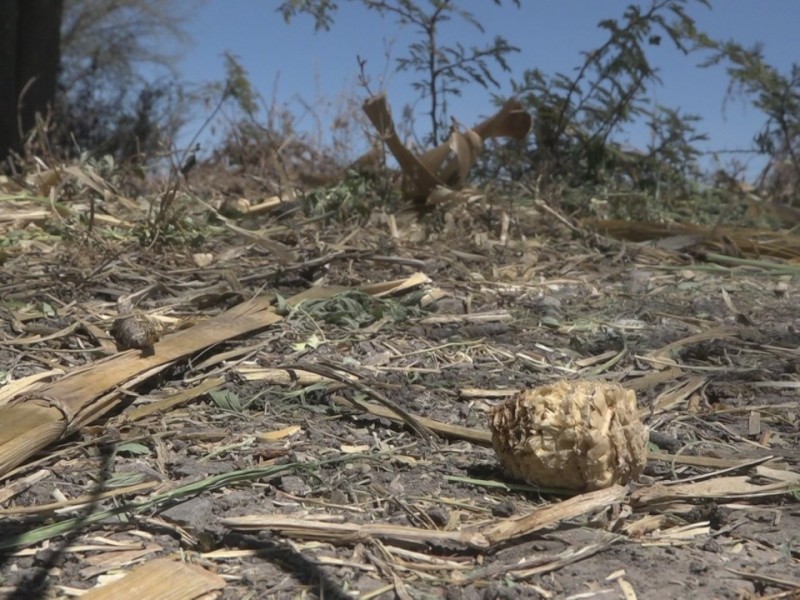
[{"x": 301, "y": 67}]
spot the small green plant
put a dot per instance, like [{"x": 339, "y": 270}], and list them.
[
  {"x": 443, "y": 70},
  {"x": 775, "y": 94},
  {"x": 577, "y": 116},
  {"x": 355, "y": 309},
  {"x": 354, "y": 197},
  {"x": 227, "y": 400},
  {"x": 238, "y": 86}
]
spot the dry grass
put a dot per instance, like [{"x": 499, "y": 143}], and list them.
[{"x": 282, "y": 440}]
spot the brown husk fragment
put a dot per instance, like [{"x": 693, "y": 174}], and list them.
[{"x": 447, "y": 164}]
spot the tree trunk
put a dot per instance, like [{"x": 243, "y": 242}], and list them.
[
  {"x": 29, "y": 58},
  {"x": 9, "y": 136}
]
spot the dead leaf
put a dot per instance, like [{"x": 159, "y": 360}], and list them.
[{"x": 274, "y": 436}]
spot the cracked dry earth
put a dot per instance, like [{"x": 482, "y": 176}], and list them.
[{"x": 511, "y": 318}]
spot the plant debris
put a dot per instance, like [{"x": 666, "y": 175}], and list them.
[
  {"x": 313, "y": 418},
  {"x": 134, "y": 330},
  {"x": 579, "y": 435}
]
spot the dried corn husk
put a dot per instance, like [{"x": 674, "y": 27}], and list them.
[{"x": 580, "y": 435}]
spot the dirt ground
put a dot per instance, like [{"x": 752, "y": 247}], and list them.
[{"x": 711, "y": 351}]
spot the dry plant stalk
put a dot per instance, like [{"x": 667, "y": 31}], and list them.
[
  {"x": 739, "y": 487},
  {"x": 504, "y": 530},
  {"x": 485, "y": 535},
  {"x": 746, "y": 241},
  {"x": 161, "y": 578},
  {"x": 352, "y": 533},
  {"x": 447, "y": 164}
]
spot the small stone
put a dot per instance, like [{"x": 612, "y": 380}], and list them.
[
  {"x": 503, "y": 510},
  {"x": 439, "y": 516},
  {"x": 294, "y": 485}
]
